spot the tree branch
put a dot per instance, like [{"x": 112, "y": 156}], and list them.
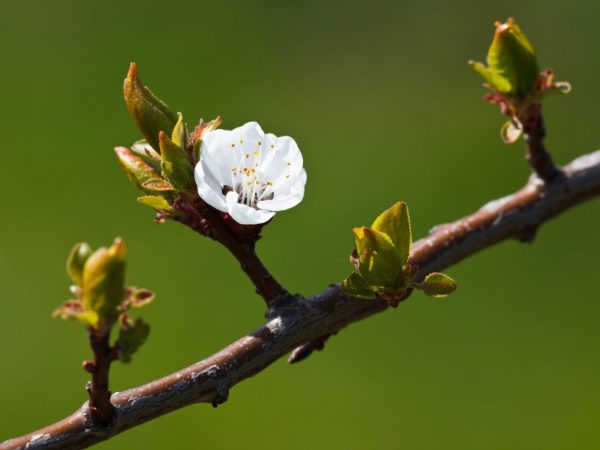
[
  {"x": 203, "y": 219},
  {"x": 308, "y": 320}
]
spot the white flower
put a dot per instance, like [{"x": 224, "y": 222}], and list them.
[{"x": 250, "y": 174}]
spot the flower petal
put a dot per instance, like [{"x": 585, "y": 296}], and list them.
[
  {"x": 288, "y": 196},
  {"x": 222, "y": 153},
  {"x": 209, "y": 189},
  {"x": 282, "y": 160},
  {"x": 244, "y": 214}
]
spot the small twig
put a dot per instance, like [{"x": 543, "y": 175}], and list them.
[
  {"x": 205, "y": 220},
  {"x": 100, "y": 407},
  {"x": 534, "y": 134},
  {"x": 326, "y": 313}
]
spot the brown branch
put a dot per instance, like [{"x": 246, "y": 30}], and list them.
[
  {"x": 100, "y": 407},
  {"x": 205, "y": 220},
  {"x": 307, "y": 320}
]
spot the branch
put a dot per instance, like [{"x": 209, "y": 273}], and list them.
[
  {"x": 205, "y": 220},
  {"x": 308, "y": 320}
]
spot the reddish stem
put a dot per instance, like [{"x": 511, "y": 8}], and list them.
[
  {"x": 100, "y": 407},
  {"x": 534, "y": 134}
]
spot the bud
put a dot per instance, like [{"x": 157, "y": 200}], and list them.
[
  {"x": 103, "y": 281},
  {"x": 151, "y": 114},
  {"x": 512, "y": 66},
  {"x": 76, "y": 260}
]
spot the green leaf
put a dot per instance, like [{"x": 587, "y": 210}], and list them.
[
  {"x": 382, "y": 270},
  {"x": 495, "y": 80},
  {"x": 76, "y": 260},
  {"x": 143, "y": 149},
  {"x": 395, "y": 223},
  {"x": 437, "y": 285},
  {"x": 73, "y": 310},
  {"x": 138, "y": 170},
  {"x": 151, "y": 115},
  {"x": 156, "y": 202},
  {"x": 131, "y": 338},
  {"x": 175, "y": 164},
  {"x": 103, "y": 281},
  {"x": 366, "y": 237},
  {"x": 180, "y": 134},
  {"x": 157, "y": 185},
  {"x": 355, "y": 286}
]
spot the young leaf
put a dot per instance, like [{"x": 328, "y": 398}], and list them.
[
  {"x": 355, "y": 286},
  {"x": 180, "y": 134},
  {"x": 366, "y": 237},
  {"x": 511, "y": 131},
  {"x": 395, "y": 223},
  {"x": 156, "y": 202},
  {"x": 76, "y": 260},
  {"x": 175, "y": 164},
  {"x": 138, "y": 170},
  {"x": 73, "y": 310},
  {"x": 381, "y": 269},
  {"x": 437, "y": 285},
  {"x": 131, "y": 338},
  {"x": 151, "y": 115},
  {"x": 157, "y": 186}
]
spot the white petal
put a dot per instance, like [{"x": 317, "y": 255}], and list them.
[
  {"x": 244, "y": 214},
  {"x": 209, "y": 189},
  {"x": 222, "y": 152},
  {"x": 288, "y": 196},
  {"x": 285, "y": 159}
]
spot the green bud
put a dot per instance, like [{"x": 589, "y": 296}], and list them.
[
  {"x": 436, "y": 285},
  {"x": 175, "y": 164},
  {"x": 151, "y": 115},
  {"x": 131, "y": 337},
  {"x": 103, "y": 281},
  {"x": 76, "y": 260},
  {"x": 512, "y": 65}
]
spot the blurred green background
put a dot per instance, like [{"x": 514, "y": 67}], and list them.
[{"x": 380, "y": 99}]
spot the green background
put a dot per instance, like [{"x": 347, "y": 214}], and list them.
[{"x": 380, "y": 99}]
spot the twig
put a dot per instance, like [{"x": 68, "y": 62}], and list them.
[
  {"x": 201, "y": 218},
  {"x": 326, "y": 313},
  {"x": 100, "y": 407},
  {"x": 534, "y": 134}
]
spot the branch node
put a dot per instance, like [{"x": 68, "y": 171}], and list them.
[{"x": 303, "y": 351}]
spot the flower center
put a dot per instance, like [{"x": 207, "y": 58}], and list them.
[{"x": 246, "y": 181}]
